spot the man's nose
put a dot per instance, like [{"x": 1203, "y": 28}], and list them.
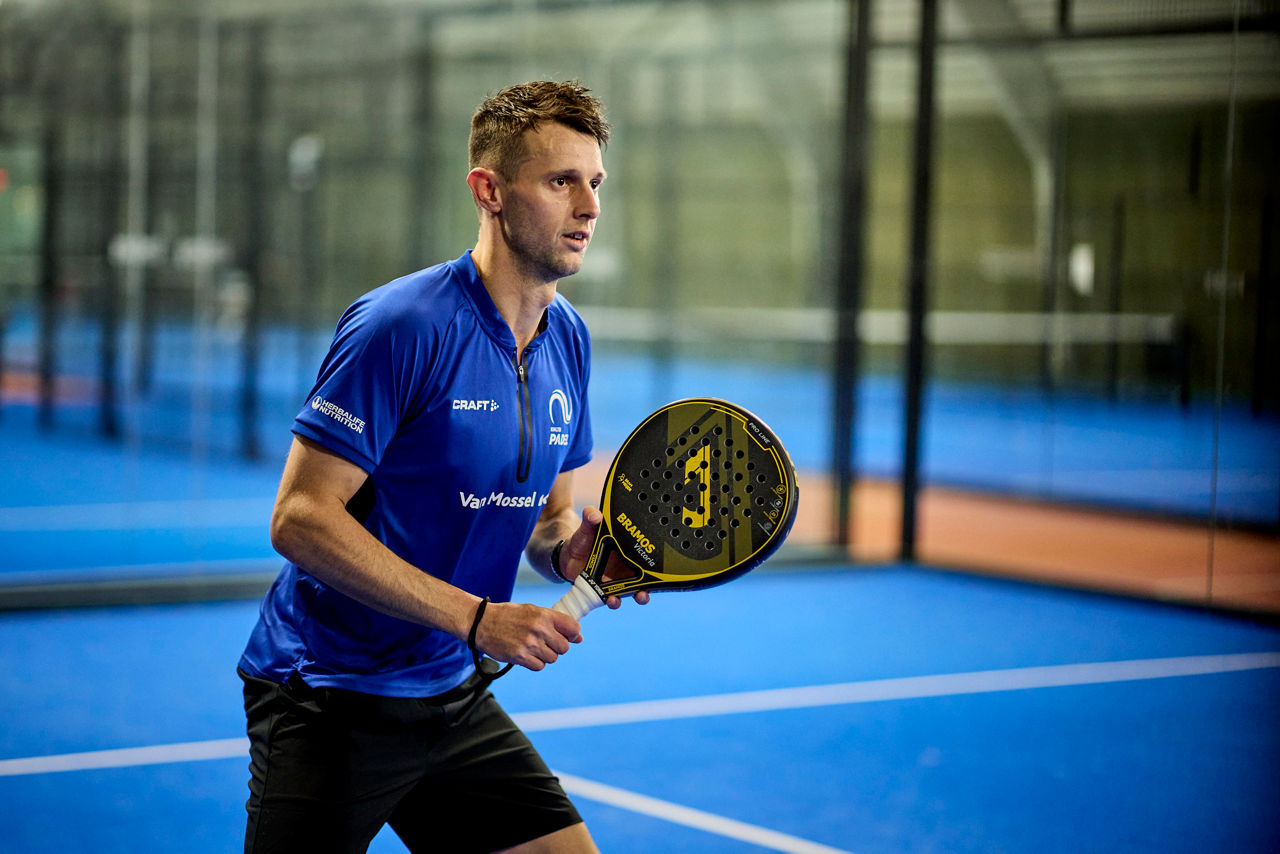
[{"x": 588, "y": 204}]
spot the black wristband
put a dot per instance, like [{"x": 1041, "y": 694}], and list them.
[
  {"x": 555, "y": 562},
  {"x": 488, "y": 668},
  {"x": 475, "y": 624}
]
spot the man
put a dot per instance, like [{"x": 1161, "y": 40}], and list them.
[{"x": 439, "y": 441}]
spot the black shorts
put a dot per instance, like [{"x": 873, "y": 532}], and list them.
[{"x": 330, "y": 767}]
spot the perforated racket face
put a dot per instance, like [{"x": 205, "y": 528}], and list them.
[{"x": 700, "y": 493}]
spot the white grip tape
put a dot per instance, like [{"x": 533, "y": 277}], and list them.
[{"x": 579, "y": 601}]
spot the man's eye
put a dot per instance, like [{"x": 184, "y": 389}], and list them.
[{"x": 560, "y": 181}]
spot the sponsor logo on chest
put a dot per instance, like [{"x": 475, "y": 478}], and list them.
[
  {"x": 559, "y": 410},
  {"x": 475, "y": 405},
  {"x": 559, "y": 414},
  {"x": 501, "y": 499}
]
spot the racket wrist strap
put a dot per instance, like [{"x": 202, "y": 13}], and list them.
[
  {"x": 475, "y": 626},
  {"x": 555, "y": 562},
  {"x": 488, "y": 669}
]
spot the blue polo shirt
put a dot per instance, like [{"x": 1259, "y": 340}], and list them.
[{"x": 421, "y": 389}]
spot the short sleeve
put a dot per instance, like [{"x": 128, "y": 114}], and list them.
[
  {"x": 357, "y": 403},
  {"x": 582, "y": 444}
]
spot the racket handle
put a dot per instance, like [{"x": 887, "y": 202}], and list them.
[{"x": 581, "y": 599}]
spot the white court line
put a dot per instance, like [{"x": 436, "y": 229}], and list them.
[
  {"x": 876, "y": 690},
  {"x": 127, "y": 757},
  {"x": 676, "y": 814},
  {"x": 906, "y": 688},
  {"x": 229, "y": 748},
  {"x": 749, "y": 701}
]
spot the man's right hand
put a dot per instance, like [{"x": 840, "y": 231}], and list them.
[{"x": 524, "y": 634}]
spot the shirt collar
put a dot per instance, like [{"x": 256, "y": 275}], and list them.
[{"x": 477, "y": 294}]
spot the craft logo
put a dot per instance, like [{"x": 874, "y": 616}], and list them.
[
  {"x": 337, "y": 413},
  {"x": 559, "y": 434},
  {"x": 476, "y": 405}
]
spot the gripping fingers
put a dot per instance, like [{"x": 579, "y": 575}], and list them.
[
  {"x": 528, "y": 635},
  {"x": 540, "y": 652}
]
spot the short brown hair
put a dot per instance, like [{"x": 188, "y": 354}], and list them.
[{"x": 500, "y": 122}]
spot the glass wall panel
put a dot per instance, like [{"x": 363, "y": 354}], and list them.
[{"x": 1099, "y": 407}]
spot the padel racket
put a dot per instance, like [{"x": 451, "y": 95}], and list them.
[{"x": 699, "y": 494}]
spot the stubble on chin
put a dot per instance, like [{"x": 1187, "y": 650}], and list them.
[{"x": 547, "y": 265}]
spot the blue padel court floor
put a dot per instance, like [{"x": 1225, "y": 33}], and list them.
[
  {"x": 820, "y": 708},
  {"x": 889, "y": 709}
]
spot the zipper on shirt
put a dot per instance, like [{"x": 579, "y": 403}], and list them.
[{"x": 525, "y": 415}]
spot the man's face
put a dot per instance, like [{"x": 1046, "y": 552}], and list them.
[{"x": 550, "y": 209}]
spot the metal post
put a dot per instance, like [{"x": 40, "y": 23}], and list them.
[
  {"x": 847, "y": 368},
  {"x": 917, "y": 297},
  {"x": 1266, "y": 380},
  {"x": 205, "y": 245},
  {"x": 138, "y": 195},
  {"x": 667, "y": 191},
  {"x": 51, "y": 182},
  {"x": 1050, "y": 267},
  {"x": 110, "y": 315},
  {"x": 422, "y": 170},
  {"x": 1116, "y": 296},
  {"x": 256, "y": 177},
  {"x": 305, "y": 155}
]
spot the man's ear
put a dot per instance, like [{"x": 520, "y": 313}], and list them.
[{"x": 486, "y": 189}]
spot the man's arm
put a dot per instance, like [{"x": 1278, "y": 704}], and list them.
[
  {"x": 310, "y": 526},
  {"x": 559, "y": 522}
]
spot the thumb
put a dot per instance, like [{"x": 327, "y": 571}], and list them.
[
  {"x": 567, "y": 626},
  {"x": 591, "y": 517},
  {"x": 580, "y": 542}
]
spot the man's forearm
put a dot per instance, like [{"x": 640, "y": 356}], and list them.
[
  {"x": 325, "y": 540},
  {"x": 546, "y": 534}
]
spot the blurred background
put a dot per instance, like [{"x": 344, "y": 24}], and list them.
[{"x": 1002, "y": 275}]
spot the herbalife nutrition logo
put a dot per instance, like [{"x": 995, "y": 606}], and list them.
[{"x": 337, "y": 413}]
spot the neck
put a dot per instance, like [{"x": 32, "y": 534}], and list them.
[{"x": 521, "y": 299}]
